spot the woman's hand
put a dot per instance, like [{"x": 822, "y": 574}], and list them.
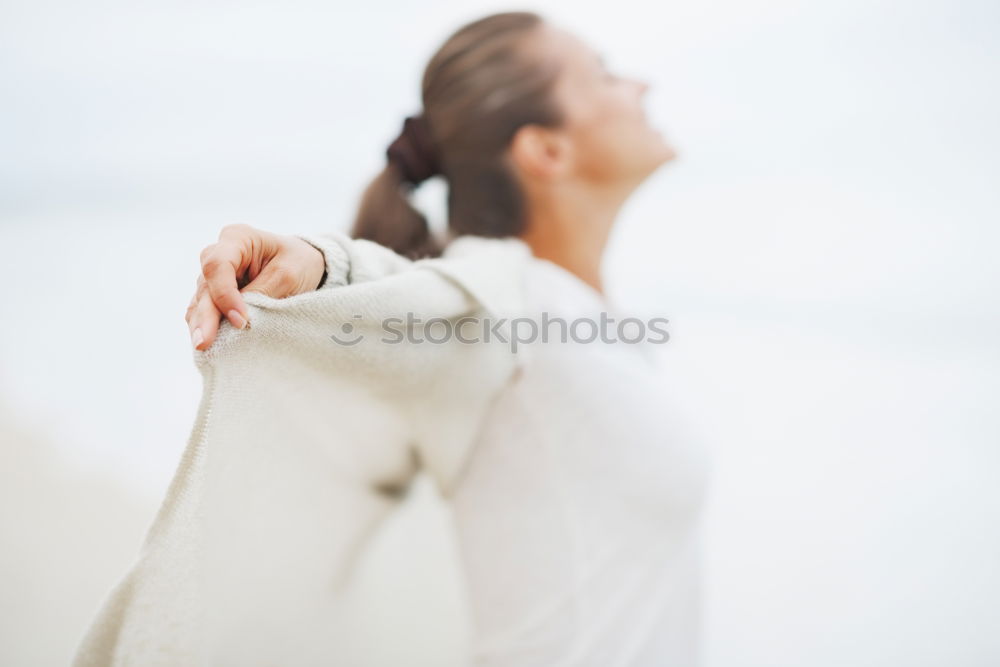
[{"x": 244, "y": 259}]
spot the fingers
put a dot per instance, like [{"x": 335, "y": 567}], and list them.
[
  {"x": 207, "y": 319},
  {"x": 222, "y": 264},
  {"x": 202, "y": 317}
]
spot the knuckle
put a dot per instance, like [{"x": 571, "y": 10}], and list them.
[
  {"x": 234, "y": 229},
  {"x": 209, "y": 266},
  {"x": 207, "y": 253},
  {"x": 195, "y": 306}
]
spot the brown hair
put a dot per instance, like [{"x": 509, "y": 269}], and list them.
[{"x": 478, "y": 89}]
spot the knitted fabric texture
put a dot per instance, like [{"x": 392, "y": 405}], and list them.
[{"x": 232, "y": 572}]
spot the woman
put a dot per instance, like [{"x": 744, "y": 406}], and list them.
[{"x": 578, "y": 508}]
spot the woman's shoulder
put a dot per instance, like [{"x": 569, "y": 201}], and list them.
[
  {"x": 491, "y": 269},
  {"x": 472, "y": 245}
]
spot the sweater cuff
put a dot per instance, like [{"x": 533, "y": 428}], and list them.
[{"x": 337, "y": 261}]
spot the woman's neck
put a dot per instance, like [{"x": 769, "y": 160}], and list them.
[
  {"x": 581, "y": 260},
  {"x": 572, "y": 230}
]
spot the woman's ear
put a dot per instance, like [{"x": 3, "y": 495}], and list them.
[{"x": 541, "y": 152}]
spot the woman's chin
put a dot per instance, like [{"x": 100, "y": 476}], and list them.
[
  {"x": 665, "y": 147},
  {"x": 659, "y": 145},
  {"x": 653, "y": 154},
  {"x": 669, "y": 153},
  {"x": 664, "y": 153}
]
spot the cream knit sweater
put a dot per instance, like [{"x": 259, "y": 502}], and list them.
[{"x": 232, "y": 572}]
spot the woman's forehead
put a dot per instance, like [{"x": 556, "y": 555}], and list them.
[
  {"x": 570, "y": 46},
  {"x": 560, "y": 44},
  {"x": 577, "y": 61}
]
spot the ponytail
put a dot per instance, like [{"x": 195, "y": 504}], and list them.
[{"x": 386, "y": 217}]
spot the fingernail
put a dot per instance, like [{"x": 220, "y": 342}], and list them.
[
  {"x": 196, "y": 337},
  {"x": 237, "y": 319}
]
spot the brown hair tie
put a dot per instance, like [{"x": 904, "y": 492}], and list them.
[{"x": 414, "y": 152}]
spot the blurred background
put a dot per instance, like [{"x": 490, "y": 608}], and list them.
[{"x": 824, "y": 246}]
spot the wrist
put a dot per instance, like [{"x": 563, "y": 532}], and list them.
[
  {"x": 326, "y": 272},
  {"x": 334, "y": 262}
]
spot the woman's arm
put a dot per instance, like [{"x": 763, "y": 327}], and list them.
[
  {"x": 488, "y": 269},
  {"x": 249, "y": 260},
  {"x": 381, "y": 298},
  {"x": 288, "y": 469},
  {"x": 302, "y": 443}
]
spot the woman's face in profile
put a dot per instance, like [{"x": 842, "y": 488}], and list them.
[{"x": 611, "y": 138}]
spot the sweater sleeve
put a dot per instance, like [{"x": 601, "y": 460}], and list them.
[
  {"x": 487, "y": 269},
  {"x": 311, "y": 426},
  {"x": 392, "y": 311},
  {"x": 349, "y": 260}
]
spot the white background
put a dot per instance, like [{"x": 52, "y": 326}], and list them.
[{"x": 824, "y": 247}]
